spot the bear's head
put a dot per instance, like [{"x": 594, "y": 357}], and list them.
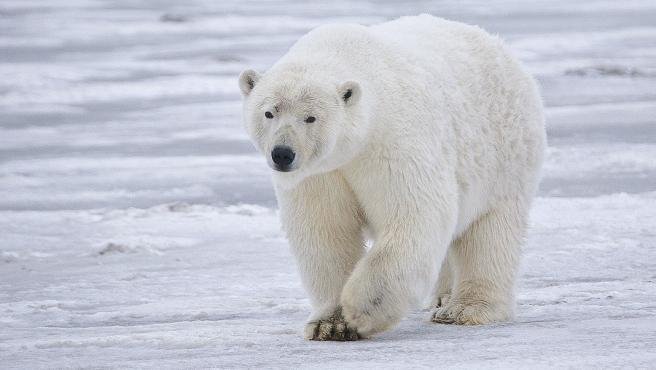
[{"x": 302, "y": 123}]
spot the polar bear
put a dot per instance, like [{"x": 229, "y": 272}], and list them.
[{"x": 397, "y": 149}]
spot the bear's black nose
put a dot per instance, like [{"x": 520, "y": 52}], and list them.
[{"x": 282, "y": 156}]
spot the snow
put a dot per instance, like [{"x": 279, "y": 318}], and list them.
[{"x": 138, "y": 226}]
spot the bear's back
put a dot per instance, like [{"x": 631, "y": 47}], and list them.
[
  {"x": 422, "y": 42},
  {"x": 332, "y": 41}
]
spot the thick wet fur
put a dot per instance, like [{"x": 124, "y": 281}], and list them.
[{"x": 425, "y": 132}]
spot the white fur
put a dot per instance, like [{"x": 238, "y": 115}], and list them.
[{"x": 438, "y": 149}]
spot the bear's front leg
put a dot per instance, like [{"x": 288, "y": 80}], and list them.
[
  {"x": 392, "y": 277},
  {"x": 323, "y": 224},
  {"x": 413, "y": 226}
]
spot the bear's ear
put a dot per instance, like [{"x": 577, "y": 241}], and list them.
[
  {"x": 349, "y": 92},
  {"x": 247, "y": 81}
]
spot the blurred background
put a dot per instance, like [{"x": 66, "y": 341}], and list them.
[
  {"x": 138, "y": 226},
  {"x": 134, "y": 103}
]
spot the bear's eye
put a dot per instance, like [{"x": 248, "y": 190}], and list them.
[
  {"x": 310, "y": 119},
  {"x": 347, "y": 95},
  {"x": 268, "y": 114}
]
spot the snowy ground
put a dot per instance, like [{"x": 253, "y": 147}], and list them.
[{"x": 138, "y": 227}]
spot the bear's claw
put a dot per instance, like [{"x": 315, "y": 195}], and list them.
[
  {"x": 441, "y": 317},
  {"x": 333, "y": 328},
  {"x": 478, "y": 313}
]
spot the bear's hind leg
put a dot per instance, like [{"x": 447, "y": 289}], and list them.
[
  {"x": 484, "y": 261},
  {"x": 444, "y": 285}
]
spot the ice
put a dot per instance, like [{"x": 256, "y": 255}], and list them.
[{"x": 138, "y": 225}]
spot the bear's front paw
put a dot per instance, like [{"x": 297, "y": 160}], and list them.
[
  {"x": 333, "y": 327},
  {"x": 370, "y": 310}
]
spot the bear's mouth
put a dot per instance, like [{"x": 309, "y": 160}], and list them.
[{"x": 283, "y": 169}]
